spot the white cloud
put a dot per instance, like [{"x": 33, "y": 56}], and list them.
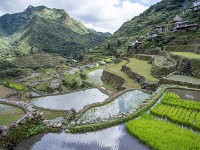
[{"x": 101, "y": 15}]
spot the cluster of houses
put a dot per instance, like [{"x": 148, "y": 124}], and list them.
[{"x": 179, "y": 25}]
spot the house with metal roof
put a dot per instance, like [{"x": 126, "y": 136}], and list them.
[
  {"x": 185, "y": 25},
  {"x": 159, "y": 29},
  {"x": 196, "y": 6}
]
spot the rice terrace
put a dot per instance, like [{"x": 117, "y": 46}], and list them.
[{"x": 126, "y": 79}]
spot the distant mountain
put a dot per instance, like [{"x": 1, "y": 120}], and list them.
[{"x": 41, "y": 29}]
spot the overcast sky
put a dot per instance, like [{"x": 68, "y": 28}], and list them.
[{"x": 101, "y": 15}]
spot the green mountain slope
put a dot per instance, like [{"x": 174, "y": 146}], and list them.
[
  {"x": 160, "y": 14},
  {"x": 40, "y": 29}
]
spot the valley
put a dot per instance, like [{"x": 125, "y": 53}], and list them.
[{"x": 75, "y": 88}]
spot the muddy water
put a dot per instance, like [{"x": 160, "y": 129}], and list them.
[
  {"x": 127, "y": 102},
  {"x": 114, "y": 138},
  {"x": 76, "y": 100},
  {"x": 187, "y": 94}
]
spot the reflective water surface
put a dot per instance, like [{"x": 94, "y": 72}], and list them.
[
  {"x": 127, "y": 102},
  {"x": 76, "y": 100},
  {"x": 187, "y": 94},
  {"x": 114, "y": 138},
  {"x": 9, "y": 109},
  {"x": 94, "y": 77}
]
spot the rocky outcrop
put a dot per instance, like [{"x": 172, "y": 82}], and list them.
[
  {"x": 116, "y": 81},
  {"x": 55, "y": 84}
]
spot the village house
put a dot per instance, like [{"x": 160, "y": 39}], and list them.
[
  {"x": 196, "y": 6},
  {"x": 137, "y": 44},
  {"x": 152, "y": 35},
  {"x": 185, "y": 25},
  {"x": 181, "y": 25},
  {"x": 177, "y": 18},
  {"x": 159, "y": 29}
]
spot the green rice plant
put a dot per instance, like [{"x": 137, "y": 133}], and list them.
[
  {"x": 14, "y": 86},
  {"x": 197, "y": 120},
  {"x": 163, "y": 135},
  {"x": 173, "y": 99},
  {"x": 177, "y": 114}
]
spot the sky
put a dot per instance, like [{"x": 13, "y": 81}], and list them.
[{"x": 101, "y": 15}]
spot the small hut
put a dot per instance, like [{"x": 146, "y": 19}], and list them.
[
  {"x": 159, "y": 29},
  {"x": 177, "y": 18},
  {"x": 137, "y": 44},
  {"x": 152, "y": 35}
]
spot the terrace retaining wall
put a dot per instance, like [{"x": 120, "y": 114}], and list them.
[
  {"x": 31, "y": 114},
  {"x": 140, "y": 79},
  {"x": 116, "y": 81}
]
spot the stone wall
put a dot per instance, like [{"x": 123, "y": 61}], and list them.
[
  {"x": 159, "y": 72},
  {"x": 143, "y": 57},
  {"x": 140, "y": 79},
  {"x": 190, "y": 67},
  {"x": 187, "y": 66},
  {"x": 184, "y": 42},
  {"x": 181, "y": 83},
  {"x": 116, "y": 81},
  {"x": 184, "y": 48},
  {"x": 31, "y": 114}
]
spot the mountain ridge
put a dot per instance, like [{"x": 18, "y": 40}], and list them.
[{"x": 45, "y": 29}]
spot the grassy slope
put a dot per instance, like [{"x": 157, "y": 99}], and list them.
[
  {"x": 116, "y": 69},
  {"x": 162, "y": 135},
  {"x": 142, "y": 68},
  {"x": 187, "y": 54},
  {"x": 184, "y": 79},
  {"x": 4, "y": 91},
  {"x": 48, "y": 114},
  {"x": 8, "y": 116}
]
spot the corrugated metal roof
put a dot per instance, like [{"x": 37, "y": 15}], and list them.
[{"x": 197, "y": 3}]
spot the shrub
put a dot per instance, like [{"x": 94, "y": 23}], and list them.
[{"x": 70, "y": 80}]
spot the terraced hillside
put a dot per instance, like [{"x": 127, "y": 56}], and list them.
[
  {"x": 187, "y": 54},
  {"x": 143, "y": 68},
  {"x": 116, "y": 70}
]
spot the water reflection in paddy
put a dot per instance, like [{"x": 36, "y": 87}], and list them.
[
  {"x": 114, "y": 138},
  {"x": 76, "y": 100},
  {"x": 9, "y": 114},
  {"x": 187, "y": 94},
  {"x": 127, "y": 102},
  {"x": 94, "y": 77}
]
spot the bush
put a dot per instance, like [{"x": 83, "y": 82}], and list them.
[
  {"x": 44, "y": 87},
  {"x": 70, "y": 80}
]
